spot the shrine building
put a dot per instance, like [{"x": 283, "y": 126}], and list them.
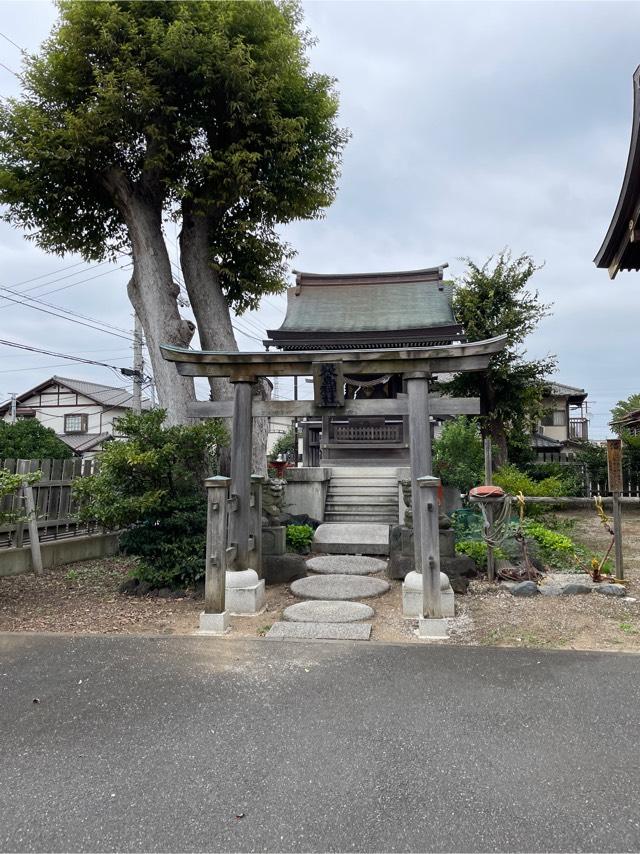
[{"x": 365, "y": 311}]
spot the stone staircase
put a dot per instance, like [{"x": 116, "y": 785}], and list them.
[{"x": 362, "y": 494}]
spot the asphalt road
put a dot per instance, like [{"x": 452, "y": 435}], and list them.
[{"x": 190, "y": 744}]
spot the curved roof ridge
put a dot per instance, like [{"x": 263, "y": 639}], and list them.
[
  {"x": 425, "y": 274},
  {"x": 623, "y": 222}
]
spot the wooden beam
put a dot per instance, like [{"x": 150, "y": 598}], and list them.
[{"x": 307, "y": 408}]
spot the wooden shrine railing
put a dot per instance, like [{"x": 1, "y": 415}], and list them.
[
  {"x": 367, "y": 432},
  {"x": 221, "y": 554}
]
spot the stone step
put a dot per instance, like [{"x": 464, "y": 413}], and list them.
[
  {"x": 360, "y": 518},
  {"x": 320, "y": 631},
  {"x": 383, "y": 470},
  {"x": 326, "y": 611},
  {"x": 356, "y": 538},
  {"x": 346, "y": 565},
  {"x": 364, "y": 482},
  {"x": 359, "y": 500},
  {"x": 338, "y": 587}
]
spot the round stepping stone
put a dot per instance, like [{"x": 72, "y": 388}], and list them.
[
  {"x": 346, "y": 565},
  {"x": 338, "y": 587},
  {"x": 327, "y": 612}
]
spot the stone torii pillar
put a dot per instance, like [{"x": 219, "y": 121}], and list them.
[
  {"x": 241, "y": 470},
  {"x": 419, "y": 448}
]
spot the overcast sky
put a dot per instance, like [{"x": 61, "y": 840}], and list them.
[{"x": 474, "y": 127}]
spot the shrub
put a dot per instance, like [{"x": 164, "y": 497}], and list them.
[
  {"x": 458, "y": 455},
  {"x": 477, "y": 551},
  {"x": 299, "y": 537},
  {"x": 152, "y": 485},
  {"x": 570, "y": 474},
  {"x": 286, "y": 445},
  {"x": 555, "y": 549},
  {"x": 28, "y": 439},
  {"x": 513, "y": 481}
]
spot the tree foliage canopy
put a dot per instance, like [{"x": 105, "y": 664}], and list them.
[
  {"x": 28, "y": 439},
  {"x": 458, "y": 454},
  {"x": 211, "y": 104},
  {"x": 490, "y": 300},
  {"x": 622, "y": 408}
]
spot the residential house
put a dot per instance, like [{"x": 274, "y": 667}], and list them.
[
  {"x": 81, "y": 413},
  {"x": 563, "y": 425}
]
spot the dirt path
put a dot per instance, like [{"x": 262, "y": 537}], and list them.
[{"x": 83, "y": 598}]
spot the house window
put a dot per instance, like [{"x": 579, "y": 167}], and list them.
[
  {"x": 554, "y": 418},
  {"x": 75, "y": 423}
]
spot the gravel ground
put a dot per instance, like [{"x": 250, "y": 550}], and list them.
[{"x": 83, "y": 598}]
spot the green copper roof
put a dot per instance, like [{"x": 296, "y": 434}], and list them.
[{"x": 369, "y": 308}]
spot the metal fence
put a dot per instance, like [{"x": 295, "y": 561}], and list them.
[{"x": 55, "y": 507}]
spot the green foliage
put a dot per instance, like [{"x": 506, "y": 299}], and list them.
[
  {"x": 492, "y": 300},
  {"x": 299, "y": 537},
  {"x": 205, "y": 109},
  {"x": 152, "y": 484},
  {"x": 477, "y": 551},
  {"x": 555, "y": 549},
  {"x": 513, "y": 481},
  {"x": 458, "y": 455},
  {"x": 11, "y": 483},
  {"x": 622, "y": 408},
  {"x": 569, "y": 474},
  {"x": 286, "y": 445},
  {"x": 28, "y": 439}
]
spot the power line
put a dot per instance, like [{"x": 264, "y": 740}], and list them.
[
  {"x": 64, "y": 287},
  {"x": 11, "y": 71},
  {"x": 11, "y": 41},
  {"x": 31, "y": 349},
  {"x": 60, "y": 308}
]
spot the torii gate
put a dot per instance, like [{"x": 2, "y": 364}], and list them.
[{"x": 417, "y": 365}]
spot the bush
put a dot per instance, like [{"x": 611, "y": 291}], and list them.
[
  {"x": 570, "y": 474},
  {"x": 477, "y": 551},
  {"x": 28, "y": 439},
  {"x": 513, "y": 481},
  {"x": 556, "y": 550},
  {"x": 299, "y": 537},
  {"x": 152, "y": 484},
  {"x": 458, "y": 455},
  {"x": 286, "y": 445}
]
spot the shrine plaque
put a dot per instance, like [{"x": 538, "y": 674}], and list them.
[
  {"x": 328, "y": 384},
  {"x": 614, "y": 465}
]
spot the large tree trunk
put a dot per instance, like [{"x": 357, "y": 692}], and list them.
[
  {"x": 492, "y": 427},
  {"x": 153, "y": 294},
  {"x": 213, "y": 319}
]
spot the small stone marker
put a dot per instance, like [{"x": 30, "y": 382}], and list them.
[
  {"x": 525, "y": 588},
  {"x": 327, "y": 612},
  {"x": 346, "y": 565},
  {"x": 611, "y": 590},
  {"x": 320, "y": 631},
  {"x": 338, "y": 587}
]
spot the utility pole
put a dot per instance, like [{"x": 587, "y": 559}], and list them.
[
  {"x": 138, "y": 367},
  {"x": 13, "y": 407}
]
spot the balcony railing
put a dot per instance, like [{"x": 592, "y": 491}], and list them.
[{"x": 578, "y": 428}]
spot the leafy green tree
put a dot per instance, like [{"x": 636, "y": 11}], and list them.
[
  {"x": 622, "y": 408},
  {"x": 205, "y": 113},
  {"x": 286, "y": 444},
  {"x": 492, "y": 300},
  {"x": 458, "y": 454},
  {"x": 28, "y": 439},
  {"x": 152, "y": 485}
]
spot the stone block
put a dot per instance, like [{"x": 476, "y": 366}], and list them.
[
  {"x": 245, "y": 593},
  {"x": 412, "y": 596},
  {"x": 320, "y": 631},
  {"x": 283, "y": 568},
  {"x": 214, "y": 624},
  {"x": 401, "y": 560},
  {"x": 274, "y": 540},
  {"x": 525, "y": 588},
  {"x": 432, "y": 629}
]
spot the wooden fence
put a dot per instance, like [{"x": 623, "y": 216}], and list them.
[{"x": 55, "y": 507}]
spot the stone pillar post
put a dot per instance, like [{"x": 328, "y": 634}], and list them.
[
  {"x": 215, "y": 617},
  {"x": 241, "y": 471},
  {"x": 419, "y": 447},
  {"x": 431, "y": 623}
]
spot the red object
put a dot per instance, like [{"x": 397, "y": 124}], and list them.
[
  {"x": 280, "y": 467},
  {"x": 487, "y": 492}
]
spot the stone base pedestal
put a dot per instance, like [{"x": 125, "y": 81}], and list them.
[
  {"x": 214, "y": 624},
  {"x": 274, "y": 540},
  {"x": 412, "y": 596},
  {"x": 432, "y": 629},
  {"x": 244, "y": 593}
]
